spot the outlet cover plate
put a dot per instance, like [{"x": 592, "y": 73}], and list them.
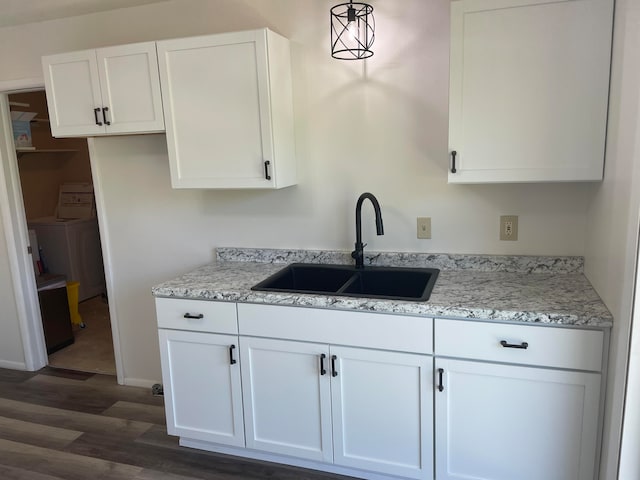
[
  {"x": 509, "y": 227},
  {"x": 424, "y": 227}
]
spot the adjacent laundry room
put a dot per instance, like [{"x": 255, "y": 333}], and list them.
[{"x": 64, "y": 236}]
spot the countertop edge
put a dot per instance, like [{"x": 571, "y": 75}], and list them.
[{"x": 392, "y": 307}]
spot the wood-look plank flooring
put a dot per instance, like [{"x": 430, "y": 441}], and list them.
[
  {"x": 59, "y": 424},
  {"x": 92, "y": 350}
]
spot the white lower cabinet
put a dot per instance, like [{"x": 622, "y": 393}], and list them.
[
  {"x": 382, "y": 404},
  {"x": 202, "y": 393},
  {"x": 287, "y": 398},
  {"x": 356, "y": 392},
  {"x": 354, "y": 407},
  {"x": 505, "y": 422},
  {"x": 519, "y": 402}
]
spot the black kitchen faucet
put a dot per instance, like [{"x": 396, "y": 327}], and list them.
[{"x": 358, "y": 253}]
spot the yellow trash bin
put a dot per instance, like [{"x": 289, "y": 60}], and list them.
[{"x": 72, "y": 297}]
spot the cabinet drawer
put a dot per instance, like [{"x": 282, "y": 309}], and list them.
[
  {"x": 217, "y": 317},
  {"x": 358, "y": 329},
  {"x": 545, "y": 346}
]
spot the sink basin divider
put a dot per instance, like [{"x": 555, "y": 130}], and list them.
[{"x": 354, "y": 278}]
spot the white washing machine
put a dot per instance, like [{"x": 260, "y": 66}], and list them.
[{"x": 71, "y": 247}]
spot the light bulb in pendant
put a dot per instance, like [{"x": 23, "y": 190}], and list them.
[{"x": 352, "y": 26}]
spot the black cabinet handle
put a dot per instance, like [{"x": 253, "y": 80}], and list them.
[
  {"x": 232, "y": 360},
  {"x": 440, "y": 374},
  {"x": 453, "y": 161},
  {"x": 104, "y": 115},
  {"x": 322, "y": 369},
  {"x": 95, "y": 114},
  {"x": 523, "y": 345},
  {"x": 334, "y": 372},
  {"x": 266, "y": 169},
  {"x": 197, "y": 317}
]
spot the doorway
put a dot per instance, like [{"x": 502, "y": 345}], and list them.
[{"x": 56, "y": 181}]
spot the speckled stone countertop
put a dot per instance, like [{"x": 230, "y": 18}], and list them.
[{"x": 543, "y": 290}]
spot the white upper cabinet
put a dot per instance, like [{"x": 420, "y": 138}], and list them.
[
  {"x": 228, "y": 106},
  {"x": 528, "y": 90},
  {"x": 110, "y": 90}
]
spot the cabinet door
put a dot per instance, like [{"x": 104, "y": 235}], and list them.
[
  {"x": 217, "y": 102},
  {"x": 383, "y": 411},
  {"x": 529, "y": 89},
  {"x": 73, "y": 93},
  {"x": 498, "y": 422},
  {"x": 202, "y": 392},
  {"x": 287, "y": 397},
  {"x": 131, "y": 88}
]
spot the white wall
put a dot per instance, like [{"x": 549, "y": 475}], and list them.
[
  {"x": 162, "y": 234},
  {"x": 613, "y": 212},
  {"x": 379, "y": 126}
]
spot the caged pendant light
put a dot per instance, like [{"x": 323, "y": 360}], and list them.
[{"x": 352, "y": 31}]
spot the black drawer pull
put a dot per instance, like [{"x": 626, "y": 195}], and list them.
[
  {"x": 323, "y": 371},
  {"x": 453, "y": 161},
  {"x": 440, "y": 374},
  {"x": 266, "y": 170},
  {"x": 95, "y": 113},
  {"x": 522, "y": 346},
  {"x": 232, "y": 360},
  {"x": 334, "y": 372},
  {"x": 197, "y": 317},
  {"x": 104, "y": 115}
]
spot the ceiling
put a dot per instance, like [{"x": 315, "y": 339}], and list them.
[{"x": 18, "y": 12}]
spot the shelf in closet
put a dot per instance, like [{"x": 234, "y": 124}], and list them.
[{"x": 23, "y": 151}]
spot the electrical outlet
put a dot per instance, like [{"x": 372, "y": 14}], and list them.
[
  {"x": 424, "y": 227},
  {"x": 509, "y": 227}
]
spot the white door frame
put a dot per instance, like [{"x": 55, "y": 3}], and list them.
[
  {"x": 629, "y": 462},
  {"x": 17, "y": 236}
]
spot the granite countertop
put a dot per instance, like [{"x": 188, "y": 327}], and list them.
[{"x": 531, "y": 289}]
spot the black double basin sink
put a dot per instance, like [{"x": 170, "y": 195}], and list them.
[{"x": 394, "y": 283}]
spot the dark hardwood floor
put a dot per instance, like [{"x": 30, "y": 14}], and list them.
[{"x": 59, "y": 424}]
